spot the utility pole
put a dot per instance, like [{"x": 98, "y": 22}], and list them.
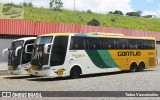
[
  {"x": 35, "y": 25},
  {"x": 74, "y": 5}
]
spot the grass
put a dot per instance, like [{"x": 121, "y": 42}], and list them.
[{"x": 76, "y": 17}]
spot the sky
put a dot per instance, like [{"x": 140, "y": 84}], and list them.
[{"x": 148, "y": 7}]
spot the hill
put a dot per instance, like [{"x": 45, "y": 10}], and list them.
[{"x": 107, "y": 20}]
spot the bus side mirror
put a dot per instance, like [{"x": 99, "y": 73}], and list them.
[
  {"x": 29, "y": 48},
  {"x": 4, "y": 51},
  {"x": 17, "y": 49},
  {"x": 47, "y": 48}
]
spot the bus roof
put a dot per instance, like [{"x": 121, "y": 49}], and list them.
[
  {"x": 95, "y": 34},
  {"x": 25, "y": 38},
  {"x": 57, "y": 34}
]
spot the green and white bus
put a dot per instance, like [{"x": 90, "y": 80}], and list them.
[
  {"x": 68, "y": 54},
  {"x": 18, "y": 59}
]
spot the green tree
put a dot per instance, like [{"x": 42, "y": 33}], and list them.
[
  {"x": 118, "y": 12},
  {"x": 89, "y": 11},
  {"x": 137, "y": 13},
  {"x": 30, "y": 4},
  {"x": 110, "y": 12},
  {"x": 24, "y": 4},
  {"x": 94, "y": 22}
]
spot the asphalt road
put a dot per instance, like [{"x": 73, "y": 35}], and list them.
[{"x": 148, "y": 80}]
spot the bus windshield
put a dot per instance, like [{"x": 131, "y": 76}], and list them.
[
  {"x": 16, "y": 44},
  {"x": 39, "y": 58},
  {"x": 12, "y": 59},
  {"x": 44, "y": 40},
  {"x": 58, "y": 51}
]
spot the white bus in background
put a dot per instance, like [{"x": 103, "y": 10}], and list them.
[{"x": 18, "y": 59}]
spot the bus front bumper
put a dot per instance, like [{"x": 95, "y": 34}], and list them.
[
  {"x": 44, "y": 73},
  {"x": 18, "y": 72}
]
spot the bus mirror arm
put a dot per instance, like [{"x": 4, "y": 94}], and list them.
[
  {"x": 4, "y": 51},
  {"x": 27, "y": 48},
  {"x": 17, "y": 49},
  {"x": 46, "y": 47}
]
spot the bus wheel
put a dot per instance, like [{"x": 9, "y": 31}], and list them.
[
  {"x": 75, "y": 72},
  {"x": 133, "y": 67},
  {"x": 141, "y": 67}
]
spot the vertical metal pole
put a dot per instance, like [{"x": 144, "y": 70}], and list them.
[
  {"x": 74, "y": 5},
  {"x": 35, "y": 25}
]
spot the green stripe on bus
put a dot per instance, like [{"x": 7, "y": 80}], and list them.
[
  {"x": 107, "y": 58},
  {"x": 96, "y": 59},
  {"x": 101, "y": 58}
]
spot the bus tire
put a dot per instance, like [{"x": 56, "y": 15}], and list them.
[
  {"x": 133, "y": 67},
  {"x": 141, "y": 67},
  {"x": 75, "y": 72}
]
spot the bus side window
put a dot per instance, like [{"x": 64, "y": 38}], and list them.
[
  {"x": 122, "y": 43},
  {"x": 141, "y": 44},
  {"x": 150, "y": 44},
  {"x": 77, "y": 43},
  {"x": 109, "y": 43},
  {"x": 106, "y": 45},
  {"x": 133, "y": 44},
  {"x": 94, "y": 43}
]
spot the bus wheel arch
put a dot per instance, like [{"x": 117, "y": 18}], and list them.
[
  {"x": 141, "y": 66},
  {"x": 75, "y": 71},
  {"x": 133, "y": 67}
]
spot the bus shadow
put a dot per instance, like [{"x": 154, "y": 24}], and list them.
[
  {"x": 38, "y": 78},
  {"x": 41, "y": 79},
  {"x": 19, "y": 77},
  {"x": 81, "y": 77}
]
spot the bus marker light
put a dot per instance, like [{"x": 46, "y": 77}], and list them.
[
  {"x": 60, "y": 72},
  {"x": 29, "y": 70}
]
